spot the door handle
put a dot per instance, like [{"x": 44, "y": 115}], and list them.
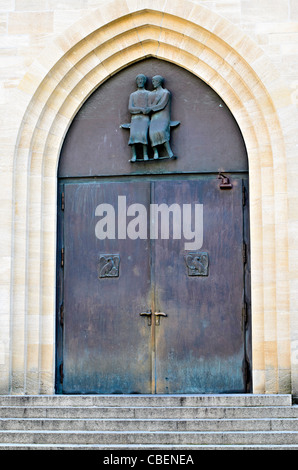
[
  {"x": 157, "y": 317},
  {"x": 147, "y": 314}
]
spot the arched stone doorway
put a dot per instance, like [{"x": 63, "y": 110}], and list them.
[
  {"x": 202, "y": 344},
  {"x": 52, "y": 92}
]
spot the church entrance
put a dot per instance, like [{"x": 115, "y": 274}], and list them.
[{"x": 153, "y": 243}]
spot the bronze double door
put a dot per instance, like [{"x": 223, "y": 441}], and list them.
[{"x": 147, "y": 314}]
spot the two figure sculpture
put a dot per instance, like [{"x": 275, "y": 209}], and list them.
[{"x": 151, "y": 116}]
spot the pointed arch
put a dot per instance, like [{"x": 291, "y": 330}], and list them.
[{"x": 56, "y": 86}]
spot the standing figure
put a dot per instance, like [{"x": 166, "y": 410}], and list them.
[
  {"x": 160, "y": 125},
  {"x": 139, "y": 109}
]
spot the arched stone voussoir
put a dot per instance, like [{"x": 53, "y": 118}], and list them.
[{"x": 80, "y": 60}]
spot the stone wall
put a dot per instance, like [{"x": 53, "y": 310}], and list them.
[{"x": 53, "y": 55}]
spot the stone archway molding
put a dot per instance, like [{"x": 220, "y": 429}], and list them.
[{"x": 53, "y": 90}]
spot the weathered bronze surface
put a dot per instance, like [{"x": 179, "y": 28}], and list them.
[
  {"x": 207, "y": 140},
  {"x": 200, "y": 347},
  {"x": 106, "y": 344},
  {"x": 197, "y": 341}
]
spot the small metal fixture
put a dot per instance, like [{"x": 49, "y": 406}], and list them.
[
  {"x": 148, "y": 315},
  {"x": 157, "y": 317},
  {"x": 197, "y": 264},
  {"x": 108, "y": 266},
  {"x": 225, "y": 183}
]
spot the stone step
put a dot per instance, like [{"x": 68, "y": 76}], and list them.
[
  {"x": 245, "y": 400},
  {"x": 97, "y": 412},
  {"x": 138, "y": 448},
  {"x": 149, "y": 425},
  {"x": 168, "y": 422},
  {"x": 150, "y": 438}
]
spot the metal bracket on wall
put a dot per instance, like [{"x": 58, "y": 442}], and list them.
[{"x": 225, "y": 182}]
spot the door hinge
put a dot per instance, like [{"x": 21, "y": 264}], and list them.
[
  {"x": 62, "y": 201},
  {"x": 62, "y": 257},
  {"x": 61, "y": 372},
  {"x": 244, "y": 253},
  {"x": 61, "y": 315},
  {"x": 244, "y": 315},
  {"x": 243, "y": 196},
  {"x": 247, "y": 374}
]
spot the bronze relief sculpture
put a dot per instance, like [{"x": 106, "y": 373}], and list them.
[
  {"x": 150, "y": 119},
  {"x": 139, "y": 109}
]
